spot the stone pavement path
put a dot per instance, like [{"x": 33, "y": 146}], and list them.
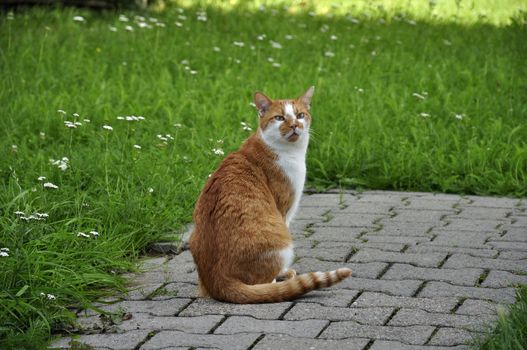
[{"x": 429, "y": 272}]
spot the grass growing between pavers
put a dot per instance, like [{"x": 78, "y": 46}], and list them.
[
  {"x": 511, "y": 330},
  {"x": 410, "y": 97}
]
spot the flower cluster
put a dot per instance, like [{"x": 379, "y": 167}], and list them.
[
  {"x": 62, "y": 164},
  {"x": 165, "y": 138},
  {"x": 92, "y": 233},
  {"x": 131, "y": 118},
  {"x": 33, "y": 217},
  {"x": 245, "y": 126},
  {"x": 4, "y": 252},
  {"x": 49, "y": 296}
]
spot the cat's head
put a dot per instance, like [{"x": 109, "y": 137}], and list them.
[{"x": 284, "y": 121}]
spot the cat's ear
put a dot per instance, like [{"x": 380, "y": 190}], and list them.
[
  {"x": 262, "y": 102},
  {"x": 306, "y": 97}
]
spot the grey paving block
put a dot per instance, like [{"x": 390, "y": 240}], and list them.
[
  {"x": 152, "y": 263},
  {"x": 352, "y": 220},
  {"x": 372, "y": 255},
  {"x": 391, "y": 227},
  {"x": 476, "y": 213},
  {"x": 512, "y": 236},
  {"x": 442, "y": 289},
  {"x": 463, "y": 239},
  {"x": 377, "y": 238},
  {"x": 337, "y": 234},
  {"x": 169, "y": 307},
  {"x": 455, "y": 224},
  {"x": 198, "y": 324},
  {"x": 492, "y": 202},
  {"x": 413, "y": 216},
  {"x": 345, "y": 329},
  {"x": 167, "y": 339},
  {"x": 366, "y": 270},
  {"x": 176, "y": 290},
  {"x": 426, "y": 247},
  {"x": 335, "y": 296},
  {"x": 310, "y": 213},
  {"x": 431, "y": 203},
  {"x": 414, "y": 317},
  {"x": 320, "y": 200},
  {"x": 279, "y": 341},
  {"x": 372, "y": 299},
  {"x": 395, "y": 345},
  {"x": 389, "y": 247},
  {"x": 244, "y": 324},
  {"x": 497, "y": 279},
  {"x": 464, "y": 277},
  {"x": 402, "y": 288},
  {"x": 361, "y": 207},
  {"x": 478, "y": 307},
  {"x": 519, "y": 221},
  {"x": 141, "y": 292},
  {"x": 463, "y": 261},
  {"x": 213, "y": 307},
  {"x": 330, "y": 251},
  {"x": 121, "y": 341},
  {"x": 306, "y": 311},
  {"x": 453, "y": 336},
  {"x": 513, "y": 255},
  {"x": 520, "y": 246},
  {"x": 383, "y": 197}
]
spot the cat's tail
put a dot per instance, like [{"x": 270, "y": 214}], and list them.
[{"x": 240, "y": 293}]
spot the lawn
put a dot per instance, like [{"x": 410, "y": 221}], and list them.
[{"x": 111, "y": 122}]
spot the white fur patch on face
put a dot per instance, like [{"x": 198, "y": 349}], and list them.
[{"x": 289, "y": 111}]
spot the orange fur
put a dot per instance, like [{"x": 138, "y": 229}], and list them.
[{"x": 240, "y": 226}]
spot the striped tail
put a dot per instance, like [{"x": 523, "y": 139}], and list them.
[{"x": 240, "y": 293}]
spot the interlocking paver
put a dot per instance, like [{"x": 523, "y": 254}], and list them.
[
  {"x": 244, "y": 324},
  {"x": 415, "y": 257},
  {"x": 373, "y": 315},
  {"x": 465, "y": 277}
]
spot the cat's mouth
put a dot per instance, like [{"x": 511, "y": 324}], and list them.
[{"x": 292, "y": 136}]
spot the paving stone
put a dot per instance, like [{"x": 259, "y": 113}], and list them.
[
  {"x": 336, "y": 252},
  {"x": 306, "y": 311},
  {"x": 492, "y": 202},
  {"x": 414, "y": 317},
  {"x": 402, "y": 288},
  {"x": 513, "y": 255},
  {"x": 121, "y": 341},
  {"x": 431, "y": 203},
  {"x": 152, "y": 263},
  {"x": 198, "y": 324},
  {"x": 298, "y": 227},
  {"x": 352, "y": 220},
  {"x": 166, "y": 339},
  {"x": 463, "y": 261},
  {"x": 463, "y": 239},
  {"x": 413, "y": 216},
  {"x": 337, "y": 234},
  {"x": 372, "y": 299},
  {"x": 320, "y": 200},
  {"x": 176, "y": 290},
  {"x": 361, "y": 207},
  {"x": 244, "y": 324},
  {"x": 512, "y": 236},
  {"x": 472, "y": 225},
  {"x": 382, "y": 197},
  {"x": 478, "y": 307},
  {"x": 310, "y": 213},
  {"x": 426, "y": 247},
  {"x": 366, "y": 270},
  {"x": 279, "y": 341},
  {"x": 476, "y": 213},
  {"x": 391, "y": 227},
  {"x": 330, "y": 296},
  {"x": 205, "y": 306},
  {"x": 372, "y": 255},
  {"x": 496, "y": 279},
  {"x": 389, "y": 247},
  {"x": 395, "y": 345},
  {"x": 465, "y": 277},
  {"x": 519, "y": 221},
  {"x": 520, "y": 246},
  {"x": 169, "y": 307},
  {"x": 442, "y": 289},
  {"x": 411, "y": 335},
  {"x": 453, "y": 336},
  {"x": 377, "y": 238},
  {"x": 141, "y": 292}
]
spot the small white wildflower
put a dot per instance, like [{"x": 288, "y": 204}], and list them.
[
  {"x": 14, "y": 148},
  {"x": 78, "y": 19},
  {"x": 82, "y": 234},
  {"x": 374, "y": 53},
  {"x": 159, "y": 24},
  {"x": 275, "y": 45},
  {"x": 42, "y": 215},
  {"x": 107, "y": 127},
  {"x": 261, "y": 37},
  {"x": 329, "y": 54},
  {"x": 185, "y": 62},
  {"x": 218, "y": 151},
  {"x": 333, "y": 37},
  {"x": 447, "y": 43},
  {"x": 4, "y": 254},
  {"x": 270, "y": 59},
  {"x": 419, "y": 96},
  {"x": 42, "y": 134},
  {"x": 78, "y": 123},
  {"x": 324, "y": 28},
  {"x": 143, "y": 25},
  {"x": 196, "y": 72},
  {"x": 69, "y": 124},
  {"x": 75, "y": 114},
  {"x": 276, "y": 65},
  {"x": 19, "y": 213},
  {"x": 288, "y": 37},
  {"x": 177, "y": 125},
  {"x": 51, "y": 297},
  {"x": 41, "y": 178},
  {"x": 10, "y": 16},
  {"x": 137, "y": 146},
  {"x": 182, "y": 17},
  {"x": 50, "y": 185},
  {"x": 216, "y": 49},
  {"x": 129, "y": 28},
  {"x": 424, "y": 115},
  {"x": 237, "y": 61},
  {"x": 459, "y": 116},
  {"x": 61, "y": 111},
  {"x": 311, "y": 13},
  {"x": 150, "y": 190},
  {"x": 112, "y": 28},
  {"x": 238, "y": 43},
  {"x": 178, "y": 24},
  {"x": 87, "y": 120},
  {"x": 94, "y": 233},
  {"x": 123, "y": 18}
]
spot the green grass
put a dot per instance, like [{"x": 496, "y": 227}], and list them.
[
  {"x": 511, "y": 330},
  {"x": 369, "y": 131}
]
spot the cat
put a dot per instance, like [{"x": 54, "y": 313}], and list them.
[{"x": 241, "y": 242}]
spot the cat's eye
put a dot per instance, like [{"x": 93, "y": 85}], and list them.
[
  {"x": 279, "y": 117},
  {"x": 300, "y": 116}
]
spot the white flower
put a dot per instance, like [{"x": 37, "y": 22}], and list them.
[
  {"x": 41, "y": 178},
  {"x": 275, "y": 45},
  {"x": 424, "y": 115},
  {"x": 14, "y": 148},
  {"x": 150, "y": 190},
  {"x": 238, "y": 43},
  {"x": 288, "y": 37},
  {"x": 62, "y": 164},
  {"x": 185, "y": 62},
  {"x": 94, "y": 233},
  {"x": 75, "y": 114},
  {"x": 4, "y": 254},
  {"x": 182, "y": 17},
  {"x": 123, "y": 18},
  {"x": 42, "y": 215},
  {"x": 216, "y": 49},
  {"x": 19, "y": 213},
  {"x": 82, "y": 234},
  {"x": 329, "y": 54},
  {"x": 137, "y": 146},
  {"x": 87, "y": 120},
  {"x": 447, "y": 43},
  {"x": 50, "y": 185},
  {"x": 333, "y": 37},
  {"x": 107, "y": 127},
  {"x": 112, "y": 28},
  {"x": 374, "y": 53},
  {"x": 51, "y": 297},
  {"x": 78, "y": 19},
  {"x": 459, "y": 116},
  {"x": 129, "y": 28},
  {"x": 261, "y": 37},
  {"x": 61, "y": 111},
  {"x": 276, "y": 65},
  {"x": 143, "y": 25},
  {"x": 177, "y": 125},
  {"x": 218, "y": 151},
  {"x": 419, "y": 96},
  {"x": 195, "y": 71},
  {"x": 160, "y": 24},
  {"x": 178, "y": 24},
  {"x": 270, "y": 59}
]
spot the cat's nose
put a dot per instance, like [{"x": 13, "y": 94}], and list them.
[{"x": 293, "y": 126}]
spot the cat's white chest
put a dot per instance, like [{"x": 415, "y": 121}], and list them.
[{"x": 294, "y": 167}]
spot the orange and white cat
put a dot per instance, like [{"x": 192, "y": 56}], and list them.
[{"x": 241, "y": 242}]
